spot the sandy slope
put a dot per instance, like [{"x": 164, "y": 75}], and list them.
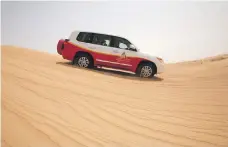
[{"x": 48, "y": 103}]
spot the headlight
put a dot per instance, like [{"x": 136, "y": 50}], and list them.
[{"x": 160, "y": 59}]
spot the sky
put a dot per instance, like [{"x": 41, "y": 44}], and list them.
[{"x": 173, "y": 30}]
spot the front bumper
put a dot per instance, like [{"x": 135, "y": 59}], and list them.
[{"x": 160, "y": 68}]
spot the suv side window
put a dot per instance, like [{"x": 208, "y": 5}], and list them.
[
  {"x": 85, "y": 37},
  {"x": 121, "y": 43},
  {"x": 101, "y": 39}
]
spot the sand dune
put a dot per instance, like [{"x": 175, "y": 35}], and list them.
[{"x": 46, "y": 102}]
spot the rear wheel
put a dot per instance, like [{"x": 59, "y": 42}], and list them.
[
  {"x": 83, "y": 60},
  {"x": 146, "y": 70}
]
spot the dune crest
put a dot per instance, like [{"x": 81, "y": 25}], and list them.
[
  {"x": 207, "y": 60},
  {"x": 46, "y": 102}
]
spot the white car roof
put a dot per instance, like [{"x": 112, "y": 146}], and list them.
[{"x": 77, "y": 31}]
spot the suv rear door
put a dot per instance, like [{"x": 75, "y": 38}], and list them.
[
  {"x": 101, "y": 45},
  {"x": 95, "y": 44}
]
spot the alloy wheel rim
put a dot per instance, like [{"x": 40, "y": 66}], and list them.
[
  {"x": 83, "y": 62},
  {"x": 146, "y": 71}
]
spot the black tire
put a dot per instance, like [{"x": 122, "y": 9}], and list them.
[
  {"x": 83, "y": 56},
  {"x": 144, "y": 66}
]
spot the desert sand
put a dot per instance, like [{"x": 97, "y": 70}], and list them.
[{"x": 46, "y": 102}]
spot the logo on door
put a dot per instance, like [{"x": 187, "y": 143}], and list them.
[{"x": 123, "y": 57}]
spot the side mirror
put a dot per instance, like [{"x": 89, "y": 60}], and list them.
[{"x": 133, "y": 48}]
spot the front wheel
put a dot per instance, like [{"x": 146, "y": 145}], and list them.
[
  {"x": 146, "y": 70},
  {"x": 83, "y": 60}
]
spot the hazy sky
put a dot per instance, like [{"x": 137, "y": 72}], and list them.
[{"x": 175, "y": 31}]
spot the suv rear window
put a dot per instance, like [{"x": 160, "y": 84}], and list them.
[{"x": 85, "y": 37}]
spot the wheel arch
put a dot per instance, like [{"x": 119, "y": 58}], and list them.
[
  {"x": 146, "y": 61},
  {"x": 77, "y": 54}
]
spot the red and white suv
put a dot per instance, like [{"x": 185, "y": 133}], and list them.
[{"x": 90, "y": 49}]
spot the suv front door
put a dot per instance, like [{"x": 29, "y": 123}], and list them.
[{"x": 123, "y": 55}]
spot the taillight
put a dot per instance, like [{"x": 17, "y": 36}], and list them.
[
  {"x": 62, "y": 47},
  {"x": 65, "y": 41}
]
